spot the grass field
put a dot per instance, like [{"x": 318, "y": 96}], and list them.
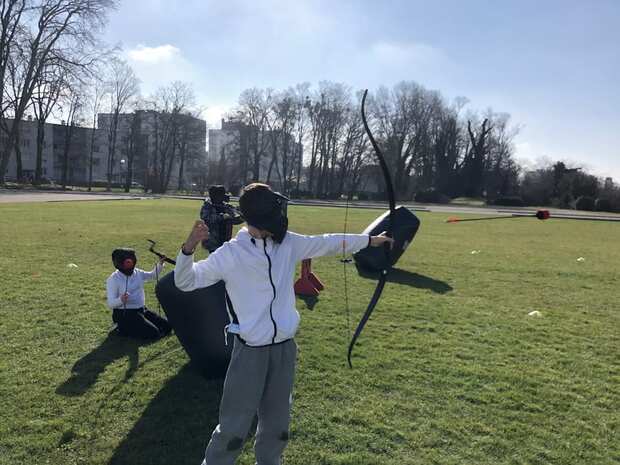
[{"x": 449, "y": 370}]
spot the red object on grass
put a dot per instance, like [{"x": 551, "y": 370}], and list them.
[
  {"x": 315, "y": 280},
  {"x": 543, "y": 214},
  {"x": 308, "y": 283}
]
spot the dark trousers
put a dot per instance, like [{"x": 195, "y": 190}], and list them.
[{"x": 141, "y": 323}]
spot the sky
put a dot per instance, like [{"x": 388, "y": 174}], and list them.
[{"x": 553, "y": 65}]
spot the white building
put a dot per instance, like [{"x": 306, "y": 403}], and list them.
[
  {"x": 54, "y": 152},
  {"x": 73, "y": 154}
]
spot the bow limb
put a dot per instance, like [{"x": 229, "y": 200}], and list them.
[
  {"x": 367, "y": 313},
  {"x": 384, "y": 168},
  {"x": 390, "y": 191}
]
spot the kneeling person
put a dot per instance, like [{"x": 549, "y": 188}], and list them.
[{"x": 125, "y": 290}]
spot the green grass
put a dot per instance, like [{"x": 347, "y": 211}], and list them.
[{"x": 449, "y": 370}]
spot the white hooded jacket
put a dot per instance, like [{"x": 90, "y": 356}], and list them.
[{"x": 259, "y": 276}]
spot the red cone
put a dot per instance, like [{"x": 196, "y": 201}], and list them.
[{"x": 308, "y": 284}]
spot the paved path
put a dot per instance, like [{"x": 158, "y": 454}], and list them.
[{"x": 11, "y": 196}]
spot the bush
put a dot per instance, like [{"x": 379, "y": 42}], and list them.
[
  {"x": 602, "y": 205},
  {"x": 508, "y": 201},
  {"x": 299, "y": 194},
  {"x": 363, "y": 196},
  {"x": 431, "y": 196},
  {"x": 101, "y": 184},
  {"x": 585, "y": 203}
]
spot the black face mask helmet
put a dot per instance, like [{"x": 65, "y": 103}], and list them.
[
  {"x": 124, "y": 260},
  {"x": 266, "y": 211},
  {"x": 218, "y": 194}
]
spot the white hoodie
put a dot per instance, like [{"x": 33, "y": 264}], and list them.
[
  {"x": 259, "y": 277},
  {"x": 118, "y": 283}
]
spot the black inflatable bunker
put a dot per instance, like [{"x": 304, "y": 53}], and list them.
[
  {"x": 404, "y": 229},
  {"x": 198, "y": 318}
]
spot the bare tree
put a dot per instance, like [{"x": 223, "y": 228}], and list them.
[
  {"x": 447, "y": 146},
  {"x": 59, "y": 31},
  {"x": 475, "y": 158},
  {"x": 254, "y": 111},
  {"x": 427, "y": 144},
  {"x": 94, "y": 102},
  {"x": 44, "y": 100},
  {"x": 501, "y": 170},
  {"x": 122, "y": 86},
  {"x": 11, "y": 41},
  {"x": 133, "y": 143},
  {"x": 327, "y": 111},
  {"x": 171, "y": 108},
  {"x": 402, "y": 121},
  {"x": 281, "y": 132},
  {"x": 355, "y": 153},
  {"x": 72, "y": 99},
  {"x": 301, "y": 96},
  {"x": 191, "y": 130},
  {"x": 13, "y": 90}
]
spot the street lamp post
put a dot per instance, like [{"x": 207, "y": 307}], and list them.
[{"x": 123, "y": 170}]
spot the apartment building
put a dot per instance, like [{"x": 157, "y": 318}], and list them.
[{"x": 141, "y": 149}]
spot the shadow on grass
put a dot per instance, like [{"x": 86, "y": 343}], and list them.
[
  {"x": 86, "y": 370},
  {"x": 309, "y": 300},
  {"x": 176, "y": 425},
  {"x": 409, "y": 278}
]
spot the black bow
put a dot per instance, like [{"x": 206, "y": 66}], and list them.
[{"x": 385, "y": 271}]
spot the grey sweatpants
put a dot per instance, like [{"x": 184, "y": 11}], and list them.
[{"x": 259, "y": 381}]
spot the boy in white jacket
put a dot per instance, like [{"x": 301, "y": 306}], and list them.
[
  {"x": 258, "y": 267},
  {"x": 125, "y": 297}
]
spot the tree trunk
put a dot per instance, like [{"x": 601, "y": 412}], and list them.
[
  {"x": 18, "y": 159},
  {"x": 181, "y": 165},
  {"x": 112, "y": 149},
  {"x": 90, "y": 157},
  {"x": 38, "y": 173}
]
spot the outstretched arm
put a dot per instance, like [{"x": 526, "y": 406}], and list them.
[{"x": 332, "y": 244}]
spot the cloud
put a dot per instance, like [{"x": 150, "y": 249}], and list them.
[
  {"x": 405, "y": 53},
  {"x": 159, "y": 66},
  {"x": 153, "y": 55}
]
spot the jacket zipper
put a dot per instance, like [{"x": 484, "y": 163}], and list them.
[{"x": 275, "y": 328}]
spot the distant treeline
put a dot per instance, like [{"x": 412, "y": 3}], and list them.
[{"x": 436, "y": 150}]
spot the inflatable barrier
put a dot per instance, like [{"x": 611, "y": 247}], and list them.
[
  {"x": 198, "y": 319},
  {"x": 404, "y": 229}
]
